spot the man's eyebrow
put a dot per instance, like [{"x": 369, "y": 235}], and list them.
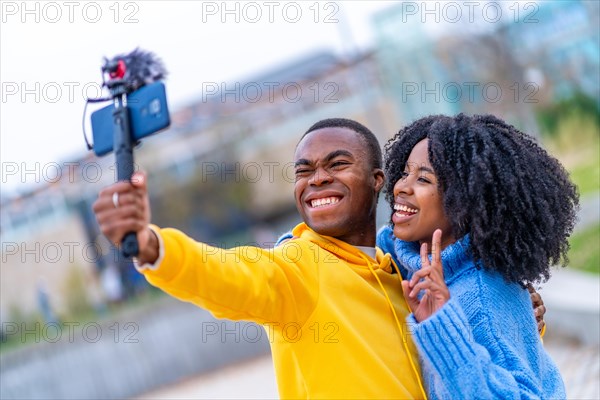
[
  {"x": 338, "y": 153},
  {"x": 329, "y": 157},
  {"x": 302, "y": 161}
]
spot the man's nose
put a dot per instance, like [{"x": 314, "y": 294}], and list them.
[{"x": 320, "y": 177}]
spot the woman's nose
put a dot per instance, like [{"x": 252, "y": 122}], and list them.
[{"x": 403, "y": 185}]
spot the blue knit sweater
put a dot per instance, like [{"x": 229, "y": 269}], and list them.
[{"x": 483, "y": 343}]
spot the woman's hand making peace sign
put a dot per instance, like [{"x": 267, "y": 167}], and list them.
[{"x": 430, "y": 278}]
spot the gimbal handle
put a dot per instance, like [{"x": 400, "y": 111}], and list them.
[{"x": 123, "y": 148}]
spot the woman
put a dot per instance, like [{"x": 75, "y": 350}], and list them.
[{"x": 496, "y": 210}]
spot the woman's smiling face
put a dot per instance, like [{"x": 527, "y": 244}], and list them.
[{"x": 418, "y": 207}]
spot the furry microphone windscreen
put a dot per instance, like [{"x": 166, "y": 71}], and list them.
[{"x": 142, "y": 68}]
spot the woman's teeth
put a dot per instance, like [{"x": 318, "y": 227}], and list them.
[{"x": 404, "y": 209}]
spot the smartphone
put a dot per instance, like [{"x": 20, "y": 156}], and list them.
[{"x": 148, "y": 114}]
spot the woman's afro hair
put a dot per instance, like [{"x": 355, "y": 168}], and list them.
[{"x": 514, "y": 200}]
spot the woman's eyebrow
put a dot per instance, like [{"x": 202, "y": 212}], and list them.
[{"x": 423, "y": 168}]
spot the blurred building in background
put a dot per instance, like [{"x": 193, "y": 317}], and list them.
[
  {"x": 42, "y": 241},
  {"x": 560, "y": 48},
  {"x": 547, "y": 52}
]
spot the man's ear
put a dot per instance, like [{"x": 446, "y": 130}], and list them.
[{"x": 379, "y": 179}]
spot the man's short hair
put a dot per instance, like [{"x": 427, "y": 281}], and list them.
[{"x": 370, "y": 139}]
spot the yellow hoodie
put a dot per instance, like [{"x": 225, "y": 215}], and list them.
[{"x": 322, "y": 302}]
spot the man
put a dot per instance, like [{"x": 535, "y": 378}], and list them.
[
  {"x": 332, "y": 311},
  {"x": 328, "y": 299}
]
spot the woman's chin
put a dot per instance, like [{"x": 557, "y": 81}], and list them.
[{"x": 402, "y": 234}]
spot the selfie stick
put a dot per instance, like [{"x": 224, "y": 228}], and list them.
[{"x": 128, "y": 73}]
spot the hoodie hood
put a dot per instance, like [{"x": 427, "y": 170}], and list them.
[{"x": 344, "y": 250}]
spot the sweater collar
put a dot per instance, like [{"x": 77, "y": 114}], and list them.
[{"x": 455, "y": 257}]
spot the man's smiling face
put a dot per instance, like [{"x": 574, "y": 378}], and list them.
[{"x": 336, "y": 185}]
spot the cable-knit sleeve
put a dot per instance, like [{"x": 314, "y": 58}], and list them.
[{"x": 491, "y": 353}]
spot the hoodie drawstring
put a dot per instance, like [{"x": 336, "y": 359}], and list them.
[{"x": 404, "y": 342}]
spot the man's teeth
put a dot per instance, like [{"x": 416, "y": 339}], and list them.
[
  {"x": 401, "y": 207},
  {"x": 324, "y": 202}
]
